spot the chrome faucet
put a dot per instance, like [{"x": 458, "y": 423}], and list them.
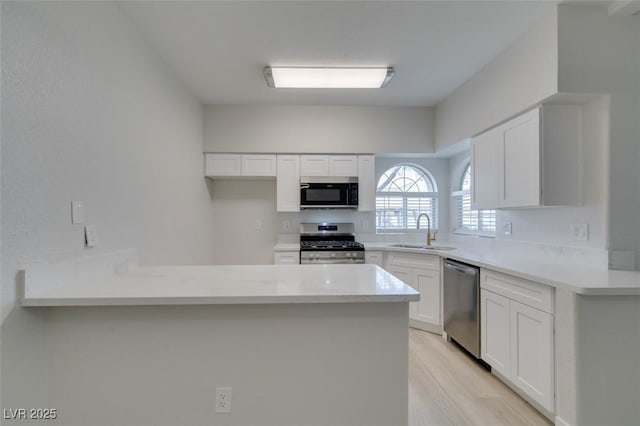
[{"x": 430, "y": 237}]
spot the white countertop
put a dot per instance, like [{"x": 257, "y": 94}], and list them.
[
  {"x": 205, "y": 285},
  {"x": 582, "y": 279}
]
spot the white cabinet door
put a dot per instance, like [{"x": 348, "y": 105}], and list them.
[
  {"x": 286, "y": 258},
  {"x": 374, "y": 257},
  {"x": 223, "y": 165},
  {"x": 343, "y": 165},
  {"x": 494, "y": 331},
  {"x": 531, "y": 362},
  {"x": 259, "y": 165},
  {"x": 428, "y": 307},
  {"x": 366, "y": 183},
  {"x": 288, "y": 183},
  {"x": 406, "y": 275},
  {"x": 484, "y": 169},
  {"x": 314, "y": 165},
  {"x": 520, "y": 161}
]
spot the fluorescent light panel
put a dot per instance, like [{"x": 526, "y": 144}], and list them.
[{"x": 327, "y": 78}]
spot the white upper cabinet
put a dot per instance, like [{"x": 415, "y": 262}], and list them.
[
  {"x": 314, "y": 165},
  {"x": 531, "y": 160},
  {"x": 248, "y": 165},
  {"x": 328, "y": 165},
  {"x": 223, "y": 165},
  {"x": 366, "y": 183},
  {"x": 258, "y": 165},
  {"x": 519, "y": 160},
  {"x": 343, "y": 165},
  {"x": 288, "y": 183},
  {"x": 484, "y": 170}
]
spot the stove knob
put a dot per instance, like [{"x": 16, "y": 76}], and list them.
[
  {"x": 349, "y": 255},
  {"x": 333, "y": 255}
]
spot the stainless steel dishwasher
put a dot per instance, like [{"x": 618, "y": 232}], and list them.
[{"x": 461, "y": 304}]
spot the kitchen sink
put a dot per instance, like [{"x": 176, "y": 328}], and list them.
[{"x": 422, "y": 247}]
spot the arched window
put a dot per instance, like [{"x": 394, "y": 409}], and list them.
[
  {"x": 481, "y": 222},
  {"x": 403, "y": 193}
]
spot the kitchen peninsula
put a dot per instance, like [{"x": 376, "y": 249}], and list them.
[{"x": 150, "y": 345}]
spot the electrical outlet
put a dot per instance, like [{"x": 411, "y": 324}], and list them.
[
  {"x": 77, "y": 212},
  {"x": 258, "y": 224},
  {"x": 364, "y": 224},
  {"x": 90, "y": 236},
  {"x": 507, "y": 228},
  {"x": 286, "y": 225},
  {"x": 223, "y": 400},
  {"x": 580, "y": 231}
]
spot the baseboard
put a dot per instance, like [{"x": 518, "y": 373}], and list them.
[
  {"x": 435, "y": 329},
  {"x": 560, "y": 422},
  {"x": 551, "y": 416}
]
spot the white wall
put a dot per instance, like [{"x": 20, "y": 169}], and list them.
[
  {"x": 522, "y": 75},
  {"x": 552, "y": 225},
  {"x": 89, "y": 114},
  {"x": 239, "y": 207},
  {"x": 287, "y": 364},
  {"x": 599, "y": 53},
  {"x": 318, "y": 129}
]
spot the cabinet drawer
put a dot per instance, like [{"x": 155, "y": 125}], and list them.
[
  {"x": 286, "y": 258},
  {"x": 530, "y": 293},
  {"x": 422, "y": 261},
  {"x": 374, "y": 257}
]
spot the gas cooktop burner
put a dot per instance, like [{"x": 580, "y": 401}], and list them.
[{"x": 331, "y": 245}]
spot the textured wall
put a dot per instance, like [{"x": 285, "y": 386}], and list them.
[{"x": 89, "y": 114}]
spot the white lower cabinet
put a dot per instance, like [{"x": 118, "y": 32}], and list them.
[
  {"x": 422, "y": 272},
  {"x": 494, "y": 333},
  {"x": 374, "y": 257},
  {"x": 286, "y": 258},
  {"x": 517, "y": 339},
  {"x": 532, "y": 353}
]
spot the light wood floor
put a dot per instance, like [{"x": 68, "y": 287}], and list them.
[{"x": 447, "y": 388}]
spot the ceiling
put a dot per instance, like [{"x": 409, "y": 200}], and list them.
[{"x": 219, "y": 48}]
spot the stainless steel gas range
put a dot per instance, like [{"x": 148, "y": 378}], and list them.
[{"x": 329, "y": 243}]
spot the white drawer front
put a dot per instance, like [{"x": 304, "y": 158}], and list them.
[
  {"x": 286, "y": 258},
  {"x": 530, "y": 293},
  {"x": 407, "y": 260}
]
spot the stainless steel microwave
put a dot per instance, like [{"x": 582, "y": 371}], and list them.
[{"x": 328, "y": 192}]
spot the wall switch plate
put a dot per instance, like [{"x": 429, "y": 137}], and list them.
[
  {"x": 364, "y": 224},
  {"x": 286, "y": 225},
  {"x": 223, "y": 400},
  {"x": 580, "y": 231},
  {"x": 258, "y": 224},
  {"x": 90, "y": 236},
  {"x": 507, "y": 228},
  {"x": 77, "y": 212}
]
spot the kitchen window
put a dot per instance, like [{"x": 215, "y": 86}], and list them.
[
  {"x": 403, "y": 193},
  {"x": 468, "y": 221}
]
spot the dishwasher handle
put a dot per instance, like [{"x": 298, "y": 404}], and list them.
[{"x": 464, "y": 269}]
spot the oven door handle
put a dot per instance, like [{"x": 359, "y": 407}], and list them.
[{"x": 304, "y": 186}]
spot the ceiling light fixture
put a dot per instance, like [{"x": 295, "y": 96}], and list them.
[{"x": 327, "y": 78}]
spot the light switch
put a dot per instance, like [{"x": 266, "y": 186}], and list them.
[
  {"x": 77, "y": 212},
  {"x": 90, "y": 236}
]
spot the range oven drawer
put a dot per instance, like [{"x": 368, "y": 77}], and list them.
[{"x": 331, "y": 257}]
